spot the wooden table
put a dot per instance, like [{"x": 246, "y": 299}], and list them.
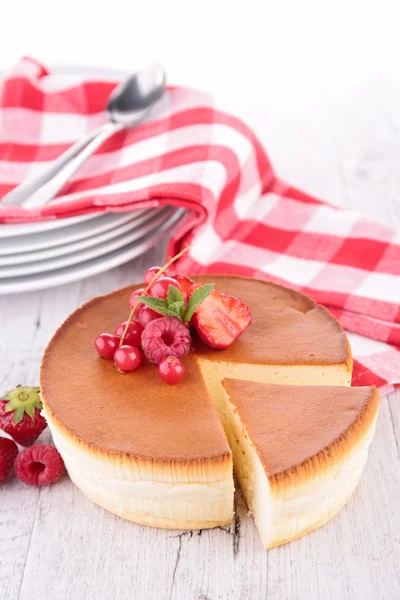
[{"x": 56, "y": 545}]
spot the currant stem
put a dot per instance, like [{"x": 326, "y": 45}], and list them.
[{"x": 156, "y": 276}]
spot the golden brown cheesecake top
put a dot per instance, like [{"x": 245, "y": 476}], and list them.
[
  {"x": 287, "y": 328},
  {"x": 139, "y": 414},
  {"x": 289, "y": 424},
  {"x": 134, "y": 413}
]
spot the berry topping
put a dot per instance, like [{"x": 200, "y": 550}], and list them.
[
  {"x": 133, "y": 335},
  {"x": 220, "y": 319},
  {"x": 171, "y": 370},
  {"x": 166, "y": 336},
  {"x": 133, "y": 298},
  {"x": 185, "y": 283},
  {"x": 39, "y": 465},
  {"x": 127, "y": 358},
  {"x": 159, "y": 289},
  {"x": 151, "y": 273},
  {"x": 20, "y": 415},
  {"x": 145, "y": 315},
  {"x": 106, "y": 345},
  {"x": 8, "y": 453}
]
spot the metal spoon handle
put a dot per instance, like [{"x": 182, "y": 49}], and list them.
[
  {"x": 50, "y": 189},
  {"x": 26, "y": 189}
]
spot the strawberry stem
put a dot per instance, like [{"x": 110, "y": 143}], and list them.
[{"x": 156, "y": 276}]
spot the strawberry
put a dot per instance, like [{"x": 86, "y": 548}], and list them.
[
  {"x": 185, "y": 283},
  {"x": 8, "y": 453},
  {"x": 220, "y": 319},
  {"x": 20, "y": 415}
]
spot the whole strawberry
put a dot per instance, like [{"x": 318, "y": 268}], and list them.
[
  {"x": 20, "y": 415},
  {"x": 8, "y": 453}
]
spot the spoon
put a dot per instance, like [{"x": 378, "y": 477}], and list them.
[{"x": 127, "y": 106}]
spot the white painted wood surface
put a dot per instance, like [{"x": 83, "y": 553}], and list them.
[{"x": 56, "y": 545}]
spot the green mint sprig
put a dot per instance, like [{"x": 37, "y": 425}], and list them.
[{"x": 175, "y": 305}]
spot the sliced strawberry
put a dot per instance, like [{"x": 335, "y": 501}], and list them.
[
  {"x": 220, "y": 319},
  {"x": 20, "y": 415},
  {"x": 185, "y": 283}
]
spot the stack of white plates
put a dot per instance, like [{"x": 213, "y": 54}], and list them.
[{"x": 40, "y": 255}]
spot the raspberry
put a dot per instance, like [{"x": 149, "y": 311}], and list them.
[
  {"x": 166, "y": 336},
  {"x": 39, "y": 465},
  {"x": 8, "y": 452}
]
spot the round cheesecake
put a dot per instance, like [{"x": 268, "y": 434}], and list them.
[{"x": 161, "y": 455}]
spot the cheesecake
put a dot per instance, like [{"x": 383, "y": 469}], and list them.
[
  {"x": 298, "y": 451},
  {"x": 161, "y": 455}
]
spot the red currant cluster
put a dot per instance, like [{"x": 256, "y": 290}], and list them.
[{"x": 162, "y": 339}]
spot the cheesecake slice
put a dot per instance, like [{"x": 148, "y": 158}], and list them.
[{"x": 298, "y": 451}]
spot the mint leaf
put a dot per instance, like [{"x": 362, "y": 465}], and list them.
[
  {"x": 160, "y": 305},
  {"x": 178, "y": 308},
  {"x": 174, "y": 295},
  {"x": 198, "y": 296}
]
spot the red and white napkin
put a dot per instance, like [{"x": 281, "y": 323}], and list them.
[{"x": 243, "y": 219}]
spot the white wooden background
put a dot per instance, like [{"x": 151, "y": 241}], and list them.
[{"x": 56, "y": 545}]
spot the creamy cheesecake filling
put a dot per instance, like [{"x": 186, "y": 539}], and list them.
[
  {"x": 180, "y": 502},
  {"x": 280, "y": 516}
]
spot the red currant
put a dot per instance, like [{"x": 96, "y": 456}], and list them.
[
  {"x": 171, "y": 370},
  {"x": 127, "y": 358},
  {"x": 133, "y": 335},
  {"x": 133, "y": 298},
  {"x": 106, "y": 345},
  {"x": 145, "y": 314},
  {"x": 159, "y": 289},
  {"x": 151, "y": 273}
]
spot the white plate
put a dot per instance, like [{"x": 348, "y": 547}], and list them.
[
  {"x": 110, "y": 231},
  {"x": 49, "y": 239},
  {"x": 91, "y": 267},
  {"x": 51, "y": 264},
  {"x": 11, "y": 229}
]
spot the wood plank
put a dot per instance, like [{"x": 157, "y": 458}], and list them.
[
  {"x": 19, "y": 328},
  {"x": 394, "y": 407}
]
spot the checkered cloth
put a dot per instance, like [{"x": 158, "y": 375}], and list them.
[{"x": 242, "y": 218}]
